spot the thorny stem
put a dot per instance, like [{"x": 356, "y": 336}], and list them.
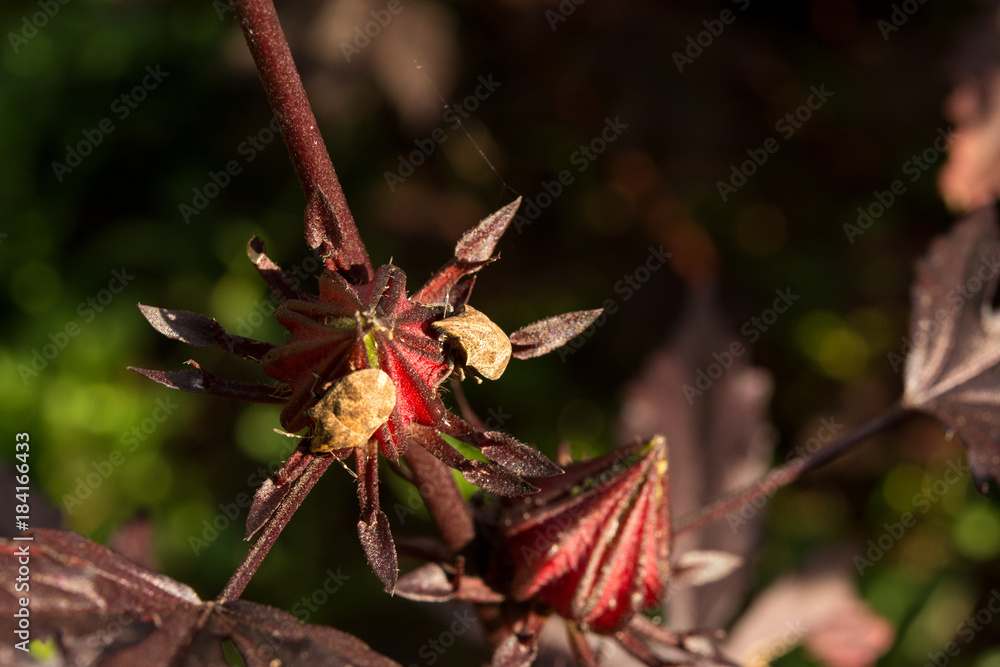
[
  {"x": 288, "y": 100},
  {"x": 787, "y": 473},
  {"x": 302, "y": 486},
  {"x": 444, "y": 503}
]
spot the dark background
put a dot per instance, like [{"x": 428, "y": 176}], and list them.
[{"x": 655, "y": 184}]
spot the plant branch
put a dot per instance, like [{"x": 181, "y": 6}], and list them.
[
  {"x": 303, "y": 485},
  {"x": 787, "y": 473},
  {"x": 444, "y": 502},
  {"x": 330, "y": 227}
]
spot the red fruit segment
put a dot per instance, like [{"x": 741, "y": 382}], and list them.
[{"x": 594, "y": 544}]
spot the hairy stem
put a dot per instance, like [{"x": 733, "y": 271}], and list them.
[
  {"x": 445, "y": 504},
  {"x": 786, "y": 474},
  {"x": 327, "y": 209},
  {"x": 303, "y": 485}
]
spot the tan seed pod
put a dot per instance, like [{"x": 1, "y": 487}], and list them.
[
  {"x": 352, "y": 409},
  {"x": 484, "y": 344}
]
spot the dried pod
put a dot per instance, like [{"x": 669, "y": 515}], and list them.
[
  {"x": 484, "y": 344},
  {"x": 352, "y": 409}
]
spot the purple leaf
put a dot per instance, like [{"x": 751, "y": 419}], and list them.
[
  {"x": 546, "y": 335},
  {"x": 952, "y": 369},
  {"x": 496, "y": 480},
  {"x": 478, "y": 244},
  {"x": 489, "y": 476},
  {"x": 373, "y": 528},
  {"x": 472, "y": 252},
  {"x": 201, "y": 331},
  {"x": 505, "y": 450},
  {"x": 281, "y": 285},
  {"x": 428, "y": 583},
  {"x": 199, "y": 381},
  {"x": 103, "y": 609},
  {"x": 376, "y": 539}
]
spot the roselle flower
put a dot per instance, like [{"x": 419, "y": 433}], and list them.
[
  {"x": 594, "y": 546},
  {"x": 364, "y": 320}
]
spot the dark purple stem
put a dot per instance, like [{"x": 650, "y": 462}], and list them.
[
  {"x": 442, "y": 498},
  {"x": 303, "y": 485},
  {"x": 786, "y": 474},
  {"x": 330, "y": 226}
]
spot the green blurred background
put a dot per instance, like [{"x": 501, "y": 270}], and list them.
[{"x": 66, "y": 233}]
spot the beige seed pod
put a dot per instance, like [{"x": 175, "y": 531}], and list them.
[
  {"x": 485, "y": 345},
  {"x": 352, "y": 410}
]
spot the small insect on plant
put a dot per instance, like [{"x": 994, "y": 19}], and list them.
[
  {"x": 476, "y": 343},
  {"x": 352, "y": 410}
]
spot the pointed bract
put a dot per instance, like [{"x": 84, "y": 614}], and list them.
[{"x": 549, "y": 334}]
